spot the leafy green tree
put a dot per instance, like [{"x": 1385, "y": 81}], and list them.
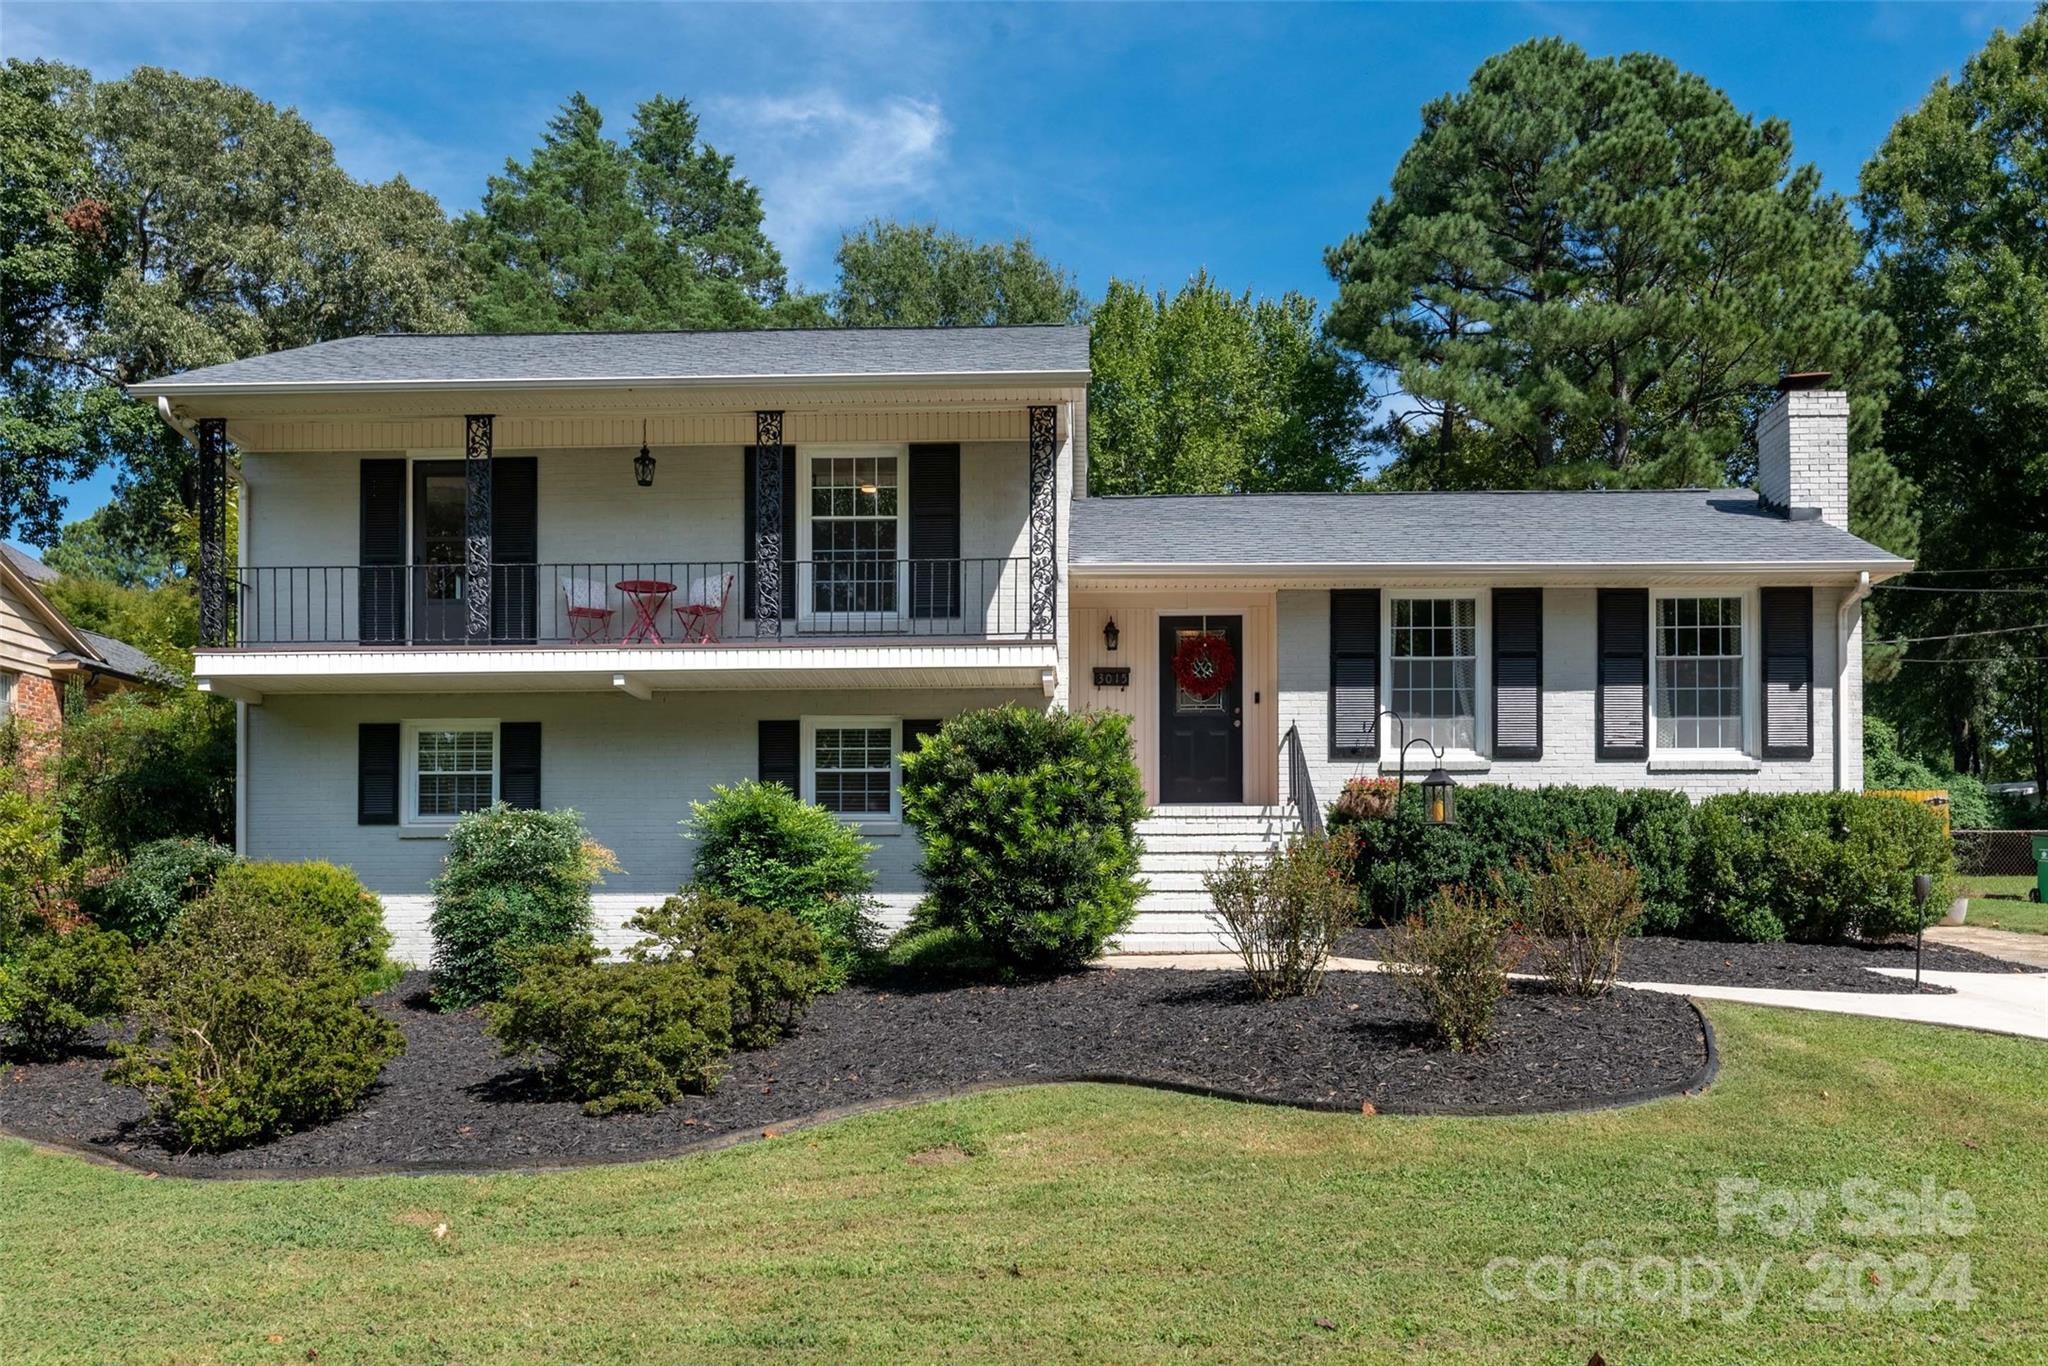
[
  {"x": 919, "y": 275},
  {"x": 1956, "y": 199},
  {"x": 86, "y": 549},
  {"x": 1593, "y": 270},
  {"x": 1206, "y": 391},
  {"x": 217, "y": 227},
  {"x": 593, "y": 234}
]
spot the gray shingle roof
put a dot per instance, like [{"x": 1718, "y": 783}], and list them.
[
  {"x": 118, "y": 656},
  {"x": 27, "y": 565},
  {"x": 1676, "y": 527},
  {"x": 651, "y": 357}
]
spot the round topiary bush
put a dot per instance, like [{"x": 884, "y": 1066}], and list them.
[
  {"x": 514, "y": 880},
  {"x": 760, "y": 846},
  {"x": 325, "y": 896},
  {"x": 1029, "y": 821}
]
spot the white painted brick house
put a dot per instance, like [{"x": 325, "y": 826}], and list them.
[{"x": 610, "y": 571}]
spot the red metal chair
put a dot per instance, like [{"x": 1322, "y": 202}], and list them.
[
  {"x": 587, "y": 604},
  {"x": 702, "y": 613}
]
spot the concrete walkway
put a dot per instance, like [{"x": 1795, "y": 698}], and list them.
[
  {"x": 2011, "y": 945},
  {"x": 1994, "y": 1002}
]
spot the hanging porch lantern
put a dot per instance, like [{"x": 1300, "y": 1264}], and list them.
[
  {"x": 1110, "y": 635},
  {"x": 643, "y": 463},
  {"x": 1439, "y": 799}
]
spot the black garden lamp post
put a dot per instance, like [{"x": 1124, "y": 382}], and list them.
[
  {"x": 643, "y": 463},
  {"x": 1439, "y": 799}
]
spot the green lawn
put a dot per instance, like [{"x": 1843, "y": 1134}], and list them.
[
  {"x": 2002, "y": 914},
  {"x": 1093, "y": 1222}
]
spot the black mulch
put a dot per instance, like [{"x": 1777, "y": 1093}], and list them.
[
  {"x": 1802, "y": 967},
  {"x": 452, "y": 1100}
]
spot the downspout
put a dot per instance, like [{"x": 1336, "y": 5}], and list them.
[
  {"x": 1845, "y": 618},
  {"x": 163, "y": 410}
]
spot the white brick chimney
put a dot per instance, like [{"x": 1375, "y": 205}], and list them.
[{"x": 1802, "y": 450}]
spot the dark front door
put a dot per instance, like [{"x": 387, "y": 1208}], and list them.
[
  {"x": 439, "y": 551},
  {"x": 1201, "y": 739}
]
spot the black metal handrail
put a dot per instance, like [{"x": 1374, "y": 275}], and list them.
[
  {"x": 1301, "y": 787},
  {"x": 629, "y": 603}
]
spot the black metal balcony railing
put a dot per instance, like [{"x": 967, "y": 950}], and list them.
[{"x": 630, "y": 603}]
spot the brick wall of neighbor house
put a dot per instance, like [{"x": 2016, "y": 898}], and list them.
[
  {"x": 632, "y": 768},
  {"x": 1568, "y": 708}
]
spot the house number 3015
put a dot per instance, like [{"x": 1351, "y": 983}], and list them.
[{"x": 1112, "y": 678}]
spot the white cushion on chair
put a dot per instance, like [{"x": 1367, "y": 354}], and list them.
[
  {"x": 585, "y": 595},
  {"x": 709, "y": 591}
]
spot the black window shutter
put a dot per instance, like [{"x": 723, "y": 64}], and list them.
[
  {"x": 377, "y": 773},
  {"x": 519, "y": 764},
  {"x": 1622, "y": 702},
  {"x": 934, "y": 510},
  {"x": 1355, "y": 673},
  {"x": 515, "y": 546},
  {"x": 1518, "y": 673},
  {"x": 1788, "y": 672},
  {"x": 789, "y": 517},
  {"x": 915, "y": 731},
  {"x": 781, "y": 761},
  {"x": 380, "y": 585}
]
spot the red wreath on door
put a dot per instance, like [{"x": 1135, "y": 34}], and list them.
[{"x": 1204, "y": 665}]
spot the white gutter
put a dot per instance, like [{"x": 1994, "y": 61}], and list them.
[
  {"x": 159, "y": 389},
  {"x": 1852, "y": 604},
  {"x": 163, "y": 410},
  {"x": 1089, "y": 573}
]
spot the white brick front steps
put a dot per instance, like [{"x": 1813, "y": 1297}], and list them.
[{"x": 1182, "y": 843}]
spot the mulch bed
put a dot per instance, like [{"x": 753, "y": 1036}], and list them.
[
  {"x": 1798, "y": 967},
  {"x": 452, "y": 1102}
]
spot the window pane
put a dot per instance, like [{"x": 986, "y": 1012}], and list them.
[
  {"x": 1434, "y": 687},
  {"x": 454, "y": 770},
  {"x": 854, "y": 769},
  {"x": 1699, "y": 673}
]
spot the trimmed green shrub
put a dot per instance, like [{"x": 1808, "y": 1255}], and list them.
[
  {"x": 1508, "y": 831},
  {"x": 772, "y": 960},
  {"x": 322, "y": 895},
  {"x": 937, "y": 955},
  {"x": 249, "y": 1027},
  {"x": 513, "y": 880},
  {"x": 157, "y": 883},
  {"x": 1815, "y": 866},
  {"x": 1581, "y": 906},
  {"x": 1453, "y": 961},
  {"x": 1285, "y": 913},
  {"x": 760, "y": 846},
  {"x": 60, "y": 985},
  {"x": 631, "y": 1036},
  {"x": 1029, "y": 821}
]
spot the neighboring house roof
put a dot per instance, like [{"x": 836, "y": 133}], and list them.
[
  {"x": 583, "y": 359},
  {"x": 1274, "y": 531},
  {"x": 90, "y": 649}
]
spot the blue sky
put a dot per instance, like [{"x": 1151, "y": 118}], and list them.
[{"x": 1146, "y": 141}]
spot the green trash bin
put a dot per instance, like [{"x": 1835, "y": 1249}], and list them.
[{"x": 2040, "y": 892}]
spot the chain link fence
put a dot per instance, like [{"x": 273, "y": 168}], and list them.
[{"x": 1995, "y": 853}]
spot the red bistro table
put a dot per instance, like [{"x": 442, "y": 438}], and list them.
[{"x": 647, "y": 597}]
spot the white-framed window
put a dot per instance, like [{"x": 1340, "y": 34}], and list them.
[
  {"x": 851, "y": 765},
  {"x": 451, "y": 769},
  {"x": 1436, "y": 667},
  {"x": 852, "y": 536},
  {"x": 7, "y": 681},
  {"x": 1700, "y": 682}
]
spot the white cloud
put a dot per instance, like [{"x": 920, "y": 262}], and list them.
[{"x": 825, "y": 164}]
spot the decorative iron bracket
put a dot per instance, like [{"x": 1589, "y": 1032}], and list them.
[
  {"x": 476, "y": 526},
  {"x": 1044, "y": 426},
  {"x": 768, "y": 496},
  {"x": 213, "y": 531}
]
